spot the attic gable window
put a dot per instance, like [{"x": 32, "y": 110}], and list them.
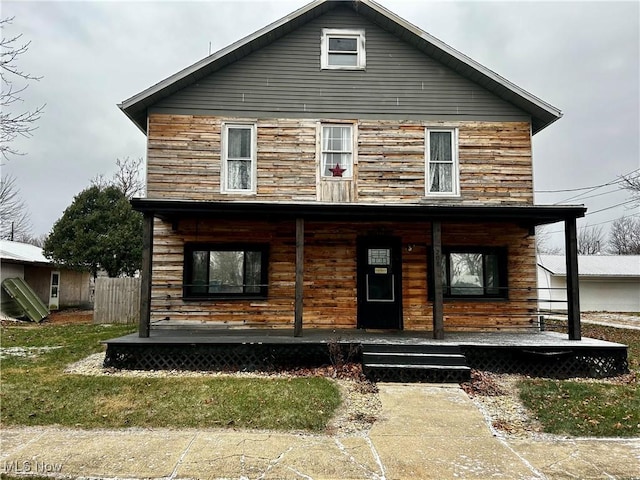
[{"x": 342, "y": 49}]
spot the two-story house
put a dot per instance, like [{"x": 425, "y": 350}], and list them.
[
  {"x": 343, "y": 169},
  {"x": 314, "y": 170}
]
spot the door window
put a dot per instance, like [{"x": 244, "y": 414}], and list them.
[{"x": 380, "y": 278}]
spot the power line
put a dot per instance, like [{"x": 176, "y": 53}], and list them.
[
  {"x": 615, "y": 181},
  {"x": 612, "y": 206},
  {"x": 575, "y": 197},
  {"x": 567, "y": 190},
  {"x": 601, "y": 194},
  {"x": 591, "y": 225}
]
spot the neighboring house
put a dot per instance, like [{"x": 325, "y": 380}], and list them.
[
  {"x": 56, "y": 287},
  {"x": 608, "y": 283},
  {"x": 324, "y": 171}
]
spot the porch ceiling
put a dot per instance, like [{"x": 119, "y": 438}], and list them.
[{"x": 529, "y": 215}]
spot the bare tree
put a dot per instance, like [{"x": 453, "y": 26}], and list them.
[
  {"x": 543, "y": 242},
  {"x": 128, "y": 178},
  {"x": 15, "y": 222},
  {"x": 590, "y": 240},
  {"x": 19, "y": 123},
  {"x": 624, "y": 237},
  {"x": 631, "y": 182},
  {"x": 37, "y": 240}
]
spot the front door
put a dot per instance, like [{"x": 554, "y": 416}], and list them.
[{"x": 379, "y": 282}]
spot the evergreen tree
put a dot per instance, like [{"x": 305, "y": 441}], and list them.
[{"x": 99, "y": 230}]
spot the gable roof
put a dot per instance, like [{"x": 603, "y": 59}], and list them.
[
  {"x": 542, "y": 113},
  {"x": 16, "y": 252},
  {"x": 594, "y": 265}
]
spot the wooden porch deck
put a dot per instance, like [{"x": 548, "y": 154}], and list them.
[
  {"x": 535, "y": 353},
  {"x": 179, "y": 334}
]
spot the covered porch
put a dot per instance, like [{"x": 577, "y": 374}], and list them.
[{"x": 300, "y": 219}]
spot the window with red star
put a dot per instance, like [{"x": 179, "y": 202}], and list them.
[{"x": 337, "y": 151}]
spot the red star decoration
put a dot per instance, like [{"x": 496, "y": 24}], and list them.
[{"x": 337, "y": 171}]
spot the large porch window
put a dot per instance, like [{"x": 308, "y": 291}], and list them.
[
  {"x": 225, "y": 271},
  {"x": 474, "y": 272}
]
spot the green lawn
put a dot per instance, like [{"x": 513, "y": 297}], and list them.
[
  {"x": 590, "y": 408},
  {"x": 36, "y": 391}
]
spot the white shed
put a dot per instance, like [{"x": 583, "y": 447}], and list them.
[
  {"x": 56, "y": 286},
  {"x": 608, "y": 283}
]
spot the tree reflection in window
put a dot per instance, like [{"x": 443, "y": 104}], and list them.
[
  {"x": 225, "y": 271},
  {"x": 474, "y": 272}
]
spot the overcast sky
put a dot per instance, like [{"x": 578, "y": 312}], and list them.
[{"x": 582, "y": 57}]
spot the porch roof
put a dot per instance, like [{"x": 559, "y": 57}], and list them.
[{"x": 528, "y": 215}]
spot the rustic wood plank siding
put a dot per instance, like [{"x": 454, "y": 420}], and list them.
[
  {"x": 330, "y": 280},
  {"x": 285, "y": 78},
  {"x": 519, "y": 310},
  {"x": 184, "y": 158},
  {"x": 168, "y": 254},
  {"x": 184, "y": 161},
  {"x": 287, "y": 159},
  {"x": 391, "y": 161},
  {"x": 495, "y": 163}
]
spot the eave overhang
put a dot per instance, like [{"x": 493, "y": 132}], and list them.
[
  {"x": 542, "y": 113},
  {"x": 527, "y": 215},
  {"x": 16, "y": 261}
]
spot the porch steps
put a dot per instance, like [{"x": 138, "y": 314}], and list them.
[{"x": 415, "y": 363}]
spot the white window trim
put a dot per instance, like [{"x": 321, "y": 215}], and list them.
[
  {"x": 354, "y": 132},
  {"x": 361, "y": 57},
  {"x": 224, "y": 152},
  {"x": 455, "y": 171}
]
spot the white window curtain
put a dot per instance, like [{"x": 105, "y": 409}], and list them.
[
  {"x": 337, "y": 149},
  {"x": 239, "y": 158},
  {"x": 441, "y": 162}
]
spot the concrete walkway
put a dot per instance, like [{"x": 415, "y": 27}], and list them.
[{"x": 424, "y": 432}]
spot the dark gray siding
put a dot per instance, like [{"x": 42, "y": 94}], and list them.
[{"x": 285, "y": 77}]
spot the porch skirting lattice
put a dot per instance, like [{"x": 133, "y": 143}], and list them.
[
  {"x": 590, "y": 362},
  {"x": 555, "y": 358},
  {"x": 215, "y": 357}
]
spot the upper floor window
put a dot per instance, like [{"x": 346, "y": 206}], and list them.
[
  {"x": 337, "y": 150},
  {"x": 442, "y": 161},
  {"x": 342, "y": 49},
  {"x": 239, "y": 158}
]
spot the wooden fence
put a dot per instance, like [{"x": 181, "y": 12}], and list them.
[{"x": 117, "y": 300}]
